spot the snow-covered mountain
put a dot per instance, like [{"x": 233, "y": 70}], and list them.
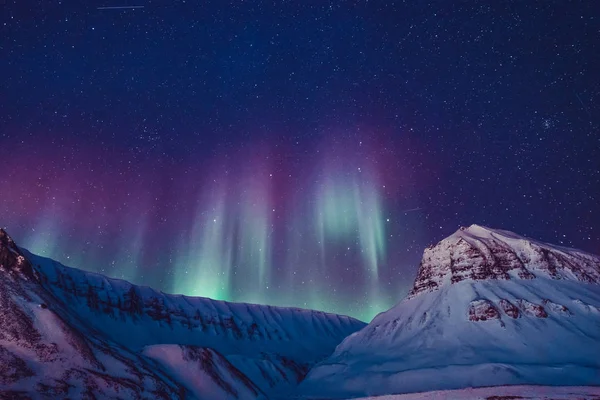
[
  {"x": 488, "y": 308},
  {"x": 69, "y": 333}
]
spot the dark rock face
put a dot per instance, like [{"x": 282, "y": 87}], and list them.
[
  {"x": 531, "y": 309},
  {"x": 509, "y": 308},
  {"x": 209, "y": 360},
  {"x": 299, "y": 369},
  {"x": 557, "y": 308},
  {"x": 12, "y": 367},
  {"x": 11, "y": 258},
  {"x": 478, "y": 253},
  {"x": 482, "y": 310}
]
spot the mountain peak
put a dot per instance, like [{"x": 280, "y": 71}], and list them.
[
  {"x": 11, "y": 257},
  {"x": 481, "y": 253},
  {"x": 480, "y": 231},
  {"x": 474, "y": 228},
  {"x": 4, "y": 236},
  {"x": 488, "y": 308}
]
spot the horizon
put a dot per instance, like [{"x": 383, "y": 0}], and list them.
[{"x": 401, "y": 297}]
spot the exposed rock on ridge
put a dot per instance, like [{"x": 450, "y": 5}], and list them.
[
  {"x": 11, "y": 258},
  {"x": 480, "y": 253}
]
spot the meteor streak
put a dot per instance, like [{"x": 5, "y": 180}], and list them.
[{"x": 119, "y": 7}]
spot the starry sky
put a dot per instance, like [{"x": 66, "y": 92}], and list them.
[{"x": 294, "y": 153}]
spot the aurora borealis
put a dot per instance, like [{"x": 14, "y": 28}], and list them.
[
  {"x": 250, "y": 227},
  {"x": 294, "y": 154}
]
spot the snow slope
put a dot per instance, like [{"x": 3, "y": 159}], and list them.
[
  {"x": 488, "y": 308},
  {"x": 203, "y": 371},
  {"x": 65, "y": 332},
  {"x": 43, "y": 355},
  {"x": 503, "y": 393}
]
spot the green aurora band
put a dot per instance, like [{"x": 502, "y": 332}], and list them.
[{"x": 324, "y": 246}]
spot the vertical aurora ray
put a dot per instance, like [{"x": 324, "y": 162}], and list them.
[
  {"x": 349, "y": 230},
  {"x": 44, "y": 238},
  {"x": 255, "y": 232},
  {"x": 128, "y": 261},
  {"x": 205, "y": 255},
  {"x": 300, "y": 229},
  {"x": 227, "y": 252},
  {"x": 371, "y": 230},
  {"x": 350, "y": 212}
]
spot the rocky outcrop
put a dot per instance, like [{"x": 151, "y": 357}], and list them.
[
  {"x": 11, "y": 257},
  {"x": 531, "y": 309},
  {"x": 482, "y": 310},
  {"x": 478, "y": 253},
  {"x": 556, "y": 308},
  {"x": 12, "y": 367},
  {"x": 204, "y": 372},
  {"x": 509, "y": 308}
]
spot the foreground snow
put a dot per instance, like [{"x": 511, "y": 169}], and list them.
[{"x": 503, "y": 393}]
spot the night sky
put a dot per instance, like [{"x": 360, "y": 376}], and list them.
[{"x": 299, "y": 153}]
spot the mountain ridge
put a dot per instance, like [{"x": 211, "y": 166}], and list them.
[
  {"x": 66, "y": 332},
  {"x": 488, "y": 308}
]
